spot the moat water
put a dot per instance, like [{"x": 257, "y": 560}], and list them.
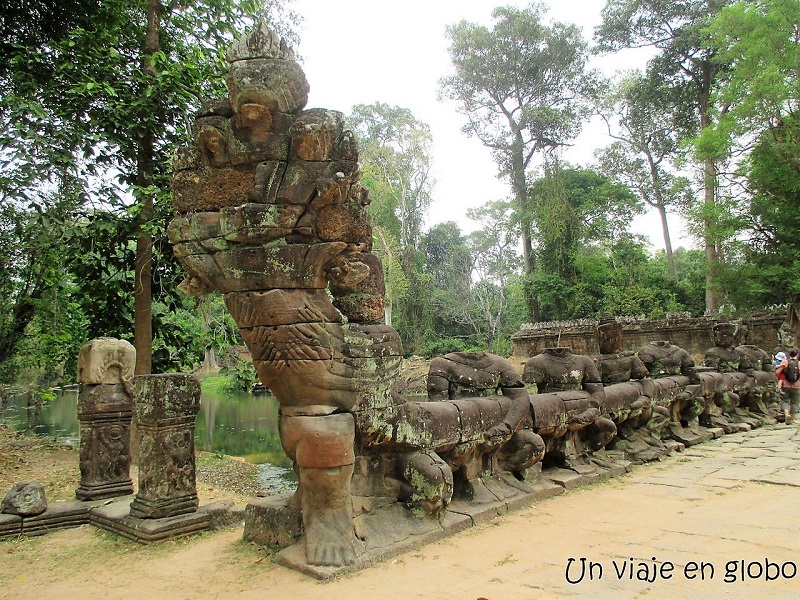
[{"x": 236, "y": 424}]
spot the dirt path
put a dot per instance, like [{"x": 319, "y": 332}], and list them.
[{"x": 730, "y": 500}]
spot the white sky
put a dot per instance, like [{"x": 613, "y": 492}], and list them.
[{"x": 367, "y": 51}]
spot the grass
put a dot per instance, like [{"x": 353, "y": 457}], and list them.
[{"x": 507, "y": 559}]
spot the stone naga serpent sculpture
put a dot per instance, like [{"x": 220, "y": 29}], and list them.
[{"x": 269, "y": 211}]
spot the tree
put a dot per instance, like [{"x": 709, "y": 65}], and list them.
[
  {"x": 761, "y": 42},
  {"x": 495, "y": 268},
  {"x": 396, "y": 161},
  {"x": 395, "y": 154},
  {"x": 31, "y": 263},
  {"x": 447, "y": 273},
  {"x": 32, "y": 23},
  {"x": 761, "y": 121},
  {"x": 105, "y": 101},
  {"x": 523, "y": 87},
  {"x": 645, "y": 146},
  {"x": 768, "y": 271},
  {"x": 690, "y": 69},
  {"x": 575, "y": 209}
]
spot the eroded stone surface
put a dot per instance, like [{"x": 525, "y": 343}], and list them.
[
  {"x": 25, "y": 500},
  {"x": 166, "y": 408}
]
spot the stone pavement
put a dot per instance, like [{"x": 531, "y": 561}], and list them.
[
  {"x": 685, "y": 524},
  {"x": 721, "y": 519}
]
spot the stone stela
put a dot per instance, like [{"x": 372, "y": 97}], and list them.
[
  {"x": 105, "y": 408},
  {"x": 166, "y": 408}
]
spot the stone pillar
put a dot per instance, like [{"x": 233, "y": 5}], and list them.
[
  {"x": 105, "y": 407},
  {"x": 166, "y": 409}
]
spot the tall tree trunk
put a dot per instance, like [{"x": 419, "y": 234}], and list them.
[
  {"x": 387, "y": 312},
  {"x": 662, "y": 212},
  {"x": 520, "y": 190},
  {"x": 143, "y": 299},
  {"x": 658, "y": 202},
  {"x": 712, "y": 256},
  {"x": 709, "y": 196}
]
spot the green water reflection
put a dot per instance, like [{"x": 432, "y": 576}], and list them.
[
  {"x": 30, "y": 414},
  {"x": 236, "y": 424},
  {"x": 240, "y": 424}
]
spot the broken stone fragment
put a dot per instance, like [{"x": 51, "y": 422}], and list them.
[
  {"x": 315, "y": 134},
  {"x": 25, "y": 500},
  {"x": 106, "y": 360}
]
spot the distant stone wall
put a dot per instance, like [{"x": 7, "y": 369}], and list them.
[{"x": 691, "y": 333}]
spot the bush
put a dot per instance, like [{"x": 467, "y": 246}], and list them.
[
  {"x": 441, "y": 346},
  {"x": 241, "y": 374}
]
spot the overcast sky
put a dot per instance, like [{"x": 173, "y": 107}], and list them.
[{"x": 367, "y": 51}]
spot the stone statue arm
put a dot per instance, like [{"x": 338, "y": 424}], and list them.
[
  {"x": 711, "y": 359},
  {"x": 638, "y": 368}
]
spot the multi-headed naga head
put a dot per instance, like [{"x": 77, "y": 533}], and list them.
[{"x": 269, "y": 197}]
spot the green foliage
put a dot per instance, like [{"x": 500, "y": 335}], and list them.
[
  {"x": 89, "y": 119},
  {"x": 241, "y": 375},
  {"x": 685, "y": 71},
  {"x": 524, "y": 89},
  {"x": 521, "y": 84},
  {"x": 766, "y": 271},
  {"x": 395, "y": 152},
  {"x": 574, "y": 211},
  {"x": 646, "y": 147},
  {"x": 760, "y": 40},
  {"x": 440, "y": 346}
]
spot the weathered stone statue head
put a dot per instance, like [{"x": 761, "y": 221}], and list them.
[
  {"x": 724, "y": 333},
  {"x": 106, "y": 360},
  {"x": 269, "y": 211},
  {"x": 609, "y": 335}
]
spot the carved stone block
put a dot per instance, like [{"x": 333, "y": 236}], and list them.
[
  {"x": 166, "y": 408},
  {"x": 105, "y": 407},
  {"x": 104, "y": 413}
]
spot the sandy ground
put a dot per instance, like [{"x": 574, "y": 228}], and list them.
[{"x": 730, "y": 500}]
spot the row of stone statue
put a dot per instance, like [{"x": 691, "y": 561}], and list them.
[{"x": 735, "y": 388}]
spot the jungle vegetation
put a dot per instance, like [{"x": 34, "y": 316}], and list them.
[{"x": 95, "y": 96}]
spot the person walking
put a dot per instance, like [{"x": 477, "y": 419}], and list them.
[
  {"x": 790, "y": 369},
  {"x": 779, "y": 358}
]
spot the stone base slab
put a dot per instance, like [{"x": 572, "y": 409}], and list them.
[
  {"x": 59, "y": 515},
  {"x": 10, "y": 525},
  {"x": 101, "y": 491},
  {"x": 391, "y": 530},
  {"x": 143, "y": 508},
  {"x": 116, "y": 518},
  {"x": 387, "y": 532}
]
